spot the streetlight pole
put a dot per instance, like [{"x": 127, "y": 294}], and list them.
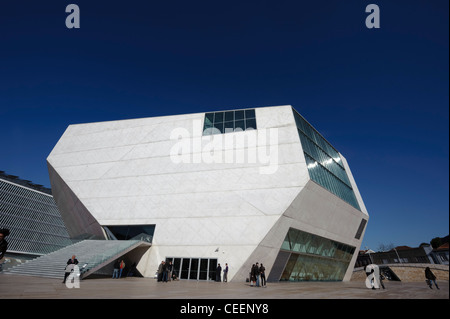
[
  {"x": 398, "y": 256},
  {"x": 368, "y": 251}
]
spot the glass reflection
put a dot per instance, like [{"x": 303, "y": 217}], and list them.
[
  {"x": 314, "y": 258},
  {"x": 229, "y": 121},
  {"x": 324, "y": 162}
]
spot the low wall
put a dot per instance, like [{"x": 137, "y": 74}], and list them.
[{"x": 408, "y": 272}]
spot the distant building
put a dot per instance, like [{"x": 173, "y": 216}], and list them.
[
  {"x": 440, "y": 254},
  {"x": 364, "y": 258},
  {"x": 400, "y": 254},
  {"x": 30, "y": 213}
]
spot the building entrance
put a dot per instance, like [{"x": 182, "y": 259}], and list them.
[{"x": 193, "y": 268}]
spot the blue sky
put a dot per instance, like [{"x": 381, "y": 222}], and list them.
[{"x": 380, "y": 96}]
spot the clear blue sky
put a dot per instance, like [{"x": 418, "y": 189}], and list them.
[{"x": 379, "y": 96}]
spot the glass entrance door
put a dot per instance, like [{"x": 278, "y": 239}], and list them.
[
  {"x": 194, "y": 268},
  {"x": 203, "y": 275},
  {"x": 185, "y": 268},
  {"x": 193, "y": 274}
]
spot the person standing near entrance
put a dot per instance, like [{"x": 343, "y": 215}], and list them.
[
  {"x": 160, "y": 271},
  {"x": 122, "y": 267},
  {"x": 218, "y": 273},
  {"x": 169, "y": 270},
  {"x": 225, "y": 273},
  {"x": 116, "y": 269},
  {"x": 164, "y": 271}
]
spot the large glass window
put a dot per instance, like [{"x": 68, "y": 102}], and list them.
[
  {"x": 212, "y": 269},
  {"x": 229, "y": 121},
  {"x": 194, "y": 268},
  {"x": 203, "y": 275},
  {"x": 185, "y": 268},
  {"x": 324, "y": 162},
  {"x": 314, "y": 258},
  {"x": 127, "y": 232},
  {"x": 193, "y": 274}
]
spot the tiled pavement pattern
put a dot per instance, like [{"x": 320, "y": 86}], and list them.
[{"x": 14, "y": 286}]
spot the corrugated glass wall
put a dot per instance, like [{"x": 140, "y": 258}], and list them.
[
  {"x": 35, "y": 224},
  {"x": 314, "y": 258},
  {"x": 324, "y": 162}
]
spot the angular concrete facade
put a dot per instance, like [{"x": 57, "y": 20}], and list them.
[{"x": 164, "y": 171}]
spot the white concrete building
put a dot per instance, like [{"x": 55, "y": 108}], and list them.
[{"x": 237, "y": 187}]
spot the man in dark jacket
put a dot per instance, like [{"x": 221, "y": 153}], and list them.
[
  {"x": 225, "y": 273},
  {"x": 3, "y": 246},
  {"x": 262, "y": 272},
  {"x": 430, "y": 278},
  {"x": 164, "y": 272},
  {"x": 257, "y": 273},
  {"x": 218, "y": 273},
  {"x": 71, "y": 261},
  {"x": 116, "y": 268}
]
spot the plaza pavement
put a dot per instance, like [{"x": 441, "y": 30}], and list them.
[{"x": 27, "y": 287}]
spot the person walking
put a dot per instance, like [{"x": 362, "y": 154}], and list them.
[
  {"x": 262, "y": 273},
  {"x": 116, "y": 269},
  {"x": 3, "y": 246},
  {"x": 122, "y": 267},
  {"x": 218, "y": 273},
  {"x": 225, "y": 273},
  {"x": 430, "y": 277}
]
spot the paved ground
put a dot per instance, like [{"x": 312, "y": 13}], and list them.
[{"x": 19, "y": 287}]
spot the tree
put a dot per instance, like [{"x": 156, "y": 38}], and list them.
[
  {"x": 385, "y": 247},
  {"x": 436, "y": 242}
]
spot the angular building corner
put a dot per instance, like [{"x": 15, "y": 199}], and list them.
[{"x": 236, "y": 187}]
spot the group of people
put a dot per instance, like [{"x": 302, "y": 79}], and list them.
[
  {"x": 166, "y": 272},
  {"x": 219, "y": 272},
  {"x": 258, "y": 276},
  {"x": 118, "y": 267}
]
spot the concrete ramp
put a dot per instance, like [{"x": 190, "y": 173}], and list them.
[{"x": 92, "y": 255}]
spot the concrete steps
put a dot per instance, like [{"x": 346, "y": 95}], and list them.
[{"x": 91, "y": 255}]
